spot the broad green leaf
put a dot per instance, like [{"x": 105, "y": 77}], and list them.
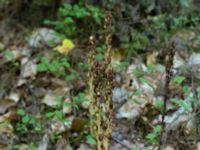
[
  {"x": 99, "y": 56},
  {"x": 159, "y": 104},
  {"x": 26, "y": 119},
  {"x": 178, "y": 79},
  {"x": 157, "y": 129},
  {"x": 91, "y": 140},
  {"x": 21, "y": 112},
  {"x": 134, "y": 148},
  {"x": 151, "y": 136}
]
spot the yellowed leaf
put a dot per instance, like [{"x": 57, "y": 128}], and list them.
[
  {"x": 151, "y": 58},
  {"x": 66, "y": 47}
]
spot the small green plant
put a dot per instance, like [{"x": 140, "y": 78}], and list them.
[
  {"x": 71, "y": 15},
  {"x": 178, "y": 79},
  {"x": 78, "y": 100},
  {"x": 182, "y": 103},
  {"x": 32, "y": 147},
  {"x": 159, "y": 104},
  {"x": 27, "y": 122},
  {"x": 57, "y": 111},
  {"x": 55, "y": 66},
  {"x": 17, "y": 147},
  {"x": 153, "y": 136},
  {"x": 59, "y": 67}
]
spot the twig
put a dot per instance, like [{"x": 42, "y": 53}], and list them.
[{"x": 120, "y": 142}]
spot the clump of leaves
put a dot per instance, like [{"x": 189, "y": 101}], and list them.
[
  {"x": 70, "y": 16},
  {"x": 59, "y": 67},
  {"x": 153, "y": 136},
  {"x": 30, "y": 146},
  {"x": 28, "y": 122},
  {"x": 57, "y": 111}
]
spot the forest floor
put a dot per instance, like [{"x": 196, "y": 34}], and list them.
[{"x": 44, "y": 95}]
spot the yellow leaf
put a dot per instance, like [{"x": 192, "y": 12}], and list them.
[
  {"x": 66, "y": 47},
  {"x": 151, "y": 58}
]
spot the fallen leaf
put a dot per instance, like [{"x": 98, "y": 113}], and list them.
[
  {"x": 151, "y": 58},
  {"x": 44, "y": 143},
  {"x": 67, "y": 109},
  {"x": 51, "y": 97},
  {"x": 14, "y": 96},
  {"x": 66, "y": 47},
  {"x": 29, "y": 68},
  {"x": 57, "y": 126},
  {"x": 78, "y": 124},
  {"x": 5, "y": 104}
]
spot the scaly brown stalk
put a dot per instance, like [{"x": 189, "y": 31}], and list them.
[
  {"x": 101, "y": 85},
  {"x": 169, "y": 57}
]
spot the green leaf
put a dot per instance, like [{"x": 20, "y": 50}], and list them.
[
  {"x": 10, "y": 55},
  {"x": 67, "y": 104},
  {"x": 65, "y": 63},
  {"x": 4, "y": 124},
  {"x": 178, "y": 79},
  {"x": 134, "y": 148},
  {"x": 157, "y": 129},
  {"x": 138, "y": 72},
  {"x": 68, "y": 20},
  {"x": 186, "y": 89},
  {"x": 50, "y": 114},
  {"x": 159, "y": 104},
  {"x": 26, "y": 119},
  {"x": 59, "y": 101},
  {"x": 21, "y": 112},
  {"x": 44, "y": 60},
  {"x": 91, "y": 140},
  {"x": 151, "y": 136},
  {"x": 151, "y": 68},
  {"x": 99, "y": 57},
  {"x": 146, "y": 148},
  {"x": 145, "y": 81},
  {"x": 122, "y": 66},
  {"x": 182, "y": 103},
  {"x": 99, "y": 49},
  {"x": 59, "y": 114},
  {"x": 70, "y": 77},
  {"x": 41, "y": 68}
]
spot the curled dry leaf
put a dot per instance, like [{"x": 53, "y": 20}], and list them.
[
  {"x": 43, "y": 37},
  {"x": 5, "y": 104},
  {"x": 43, "y": 145},
  {"x": 51, "y": 96},
  {"x": 14, "y": 96},
  {"x": 133, "y": 107},
  {"x": 57, "y": 126},
  {"x": 29, "y": 68}
]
